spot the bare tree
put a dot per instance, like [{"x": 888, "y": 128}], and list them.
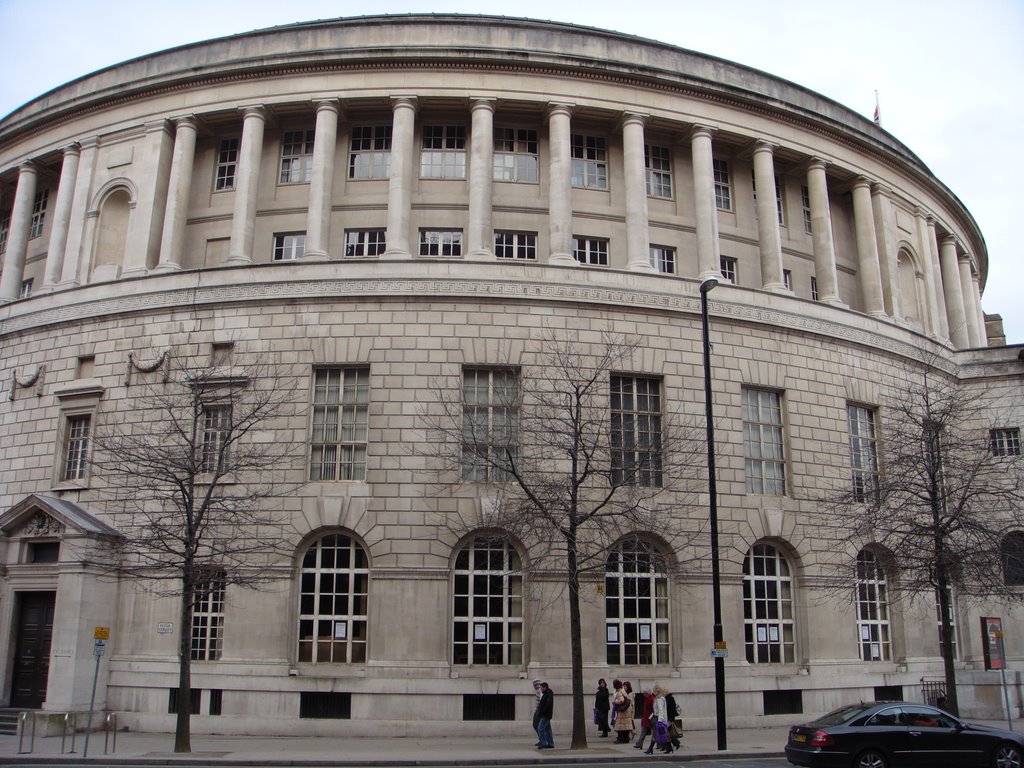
[
  {"x": 191, "y": 465},
  {"x": 579, "y": 456},
  {"x": 940, "y": 505}
]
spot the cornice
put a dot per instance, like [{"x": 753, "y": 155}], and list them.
[{"x": 732, "y": 304}]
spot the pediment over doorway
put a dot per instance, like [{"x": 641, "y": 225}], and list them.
[{"x": 39, "y": 515}]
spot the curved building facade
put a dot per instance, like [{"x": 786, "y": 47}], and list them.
[{"x": 380, "y": 202}]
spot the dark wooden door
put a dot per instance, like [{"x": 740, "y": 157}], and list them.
[{"x": 32, "y": 649}]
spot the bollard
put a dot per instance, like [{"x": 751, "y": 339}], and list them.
[
  {"x": 69, "y": 717},
  {"x": 110, "y": 718},
  {"x": 23, "y": 718}
]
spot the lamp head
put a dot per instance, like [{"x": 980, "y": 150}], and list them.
[{"x": 708, "y": 283}]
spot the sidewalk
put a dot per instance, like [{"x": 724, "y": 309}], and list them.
[{"x": 157, "y": 749}]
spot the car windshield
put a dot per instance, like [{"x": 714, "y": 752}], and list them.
[{"x": 841, "y": 715}]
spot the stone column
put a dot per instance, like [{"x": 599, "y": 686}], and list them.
[
  {"x": 62, "y": 216},
  {"x": 953, "y": 294},
  {"x": 179, "y": 187},
  {"x": 151, "y": 172},
  {"x": 403, "y": 152},
  {"x": 247, "y": 184},
  {"x": 480, "y": 237},
  {"x": 970, "y": 309},
  {"x": 321, "y": 182},
  {"x": 638, "y": 241},
  {"x": 976, "y": 290},
  {"x": 769, "y": 235},
  {"x": 885, "y": 233},
  {"x": 77, "y": 247},
  {"x": 868, "y": 269},
  {"x": 18, "y": 235},
  {"x": 821, "y": 234},
  {"x": 938, "y": 298},
  {"x": 708, "y": 258},
  {"x": 560, "y": 185}
]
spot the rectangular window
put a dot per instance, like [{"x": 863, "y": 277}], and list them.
[
  {"x": 589, "y": 162},
  {"x": 443, "y": 155},
  {"x": 227, "y": 165},
  {"x": 730, "y": 269},
  {"x": 216, "y": 701},
  {"x": 440, "y": 242},
  {"x": 636, "y": 431},
  {"x": 663, "y": 259},
  {"x": 1005, "y": 442},
  {"x": 762, "y": 442},
  {"x": 369, "y": 156},
  {"x": 590, "y": 250},
  {"x": 289, "y": 246},
  {"x": 297, "y": 157},
  {"x": 341, "y": 398},
  {"x": 172, "y": 700},
  {"x": 863, "y": 452},
  {"x": 26, "y": 289},
  {"x": 783, "y": 702},
  {"x": 490, "y": 423},
  {"x": 723, "y": 187},
  {"x": 516, "y": 245},
  {"x": 814, "y": 288},
  {"x": 787, "y": 279},
  {"x": 208, "y": 617},
  {"x": 5, "y": 230},
  {"x": 488, "y": 706},
  {"x": 365, "y": 242},
  {"x": 39, "y": 212},
  {"x": 516, "y": 155},
  {"x": 77, "y": 431},
  {"x": 216, "y": 428},
  {"x": 658, "y": 166},
  {"x": 805, "y": 204},
  {"x": 327, "y": 705}
]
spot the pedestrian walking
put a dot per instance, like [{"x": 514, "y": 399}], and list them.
[
  {"x": 602, "y": 706},
  {"x": 545, "y": 710},
  {"x": 660, "y": 720},
  {"x": 643, "y": 702},
  {"x": 675, "y": 725},
  {"x": 536, "y": 711}
]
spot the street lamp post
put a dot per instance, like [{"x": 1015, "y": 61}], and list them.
[{"x": 716, "y": 577}]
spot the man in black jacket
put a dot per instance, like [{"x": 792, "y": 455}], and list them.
[{"x": 545, "y": 711}]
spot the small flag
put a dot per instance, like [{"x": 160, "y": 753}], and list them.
[{"x": 878, "y": 112}]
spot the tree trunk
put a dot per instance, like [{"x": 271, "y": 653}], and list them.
[
  {"x": 946, "y": 646},
  {"x": 579, "y": 719},
  {"x": 183, "y": 725}
]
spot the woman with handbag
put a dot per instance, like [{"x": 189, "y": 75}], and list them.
[
  {"x": 623, "y": 705},
  {"x": 661, "y": 722}
]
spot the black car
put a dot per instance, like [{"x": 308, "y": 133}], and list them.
[{"x": 899, "y": 733}]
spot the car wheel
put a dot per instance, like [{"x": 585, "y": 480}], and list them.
[
  {"x": 870, "y": 758},
  {"x": 1007, "y": 755}
]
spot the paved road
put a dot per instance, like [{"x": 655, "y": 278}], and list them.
[{"x": 662, "y": 762}]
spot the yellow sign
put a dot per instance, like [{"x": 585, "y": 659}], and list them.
[
  {"x": 101, "y": 633},
  {"x": 720, "y": 645}
]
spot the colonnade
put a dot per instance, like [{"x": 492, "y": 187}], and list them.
[{"x": 160, "y": 206}]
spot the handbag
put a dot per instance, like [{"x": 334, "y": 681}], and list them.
[
  {"x": 596, "y": 716},
  {"x": 674, "y": 731},
  {"x": 661, "y": 732}
]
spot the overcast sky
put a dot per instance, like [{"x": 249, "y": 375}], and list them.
[{"x": 950, "y": 75}]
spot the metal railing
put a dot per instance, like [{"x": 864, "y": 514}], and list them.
[{"x": 69, "y": 725}]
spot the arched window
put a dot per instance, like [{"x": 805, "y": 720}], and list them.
[
  {"x": 488, "y": 603},
  {"x": 872, "y": 609},
  {"x": 768, "y": 607},
  {"x": 636, "y": 605},
  {"x": 332, "y": 601},
  {"x": 1011, "y": 551}
]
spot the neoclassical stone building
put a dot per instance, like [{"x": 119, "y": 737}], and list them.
[{"x": 382, "y": 201}]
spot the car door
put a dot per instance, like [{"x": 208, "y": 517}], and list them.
[{"x": 932, "y": 738}]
